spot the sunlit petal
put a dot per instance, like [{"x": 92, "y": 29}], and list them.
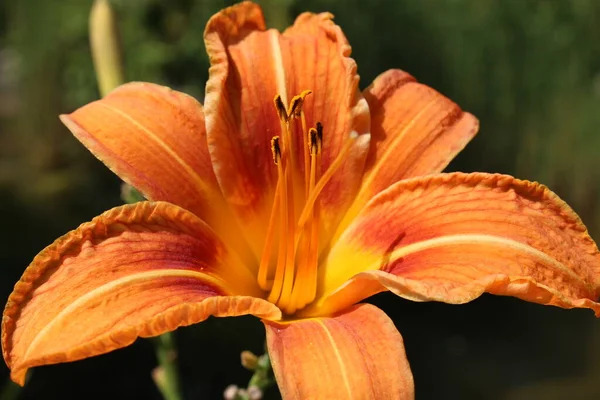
[
  {"x": 357, "y": 354},
  {"x": 155, "y": 139},
  {"x": 249, "y": 66},
  {"x": 451, "y": 237},
  {"x": 317, "y": 57},
  {"x": 134, "y": 271},
  {"x": 245, "y": 76},
  {"x": 415, "y": 131}
]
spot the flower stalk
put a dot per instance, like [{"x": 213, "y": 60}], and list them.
[
  {"x": 261, "y": 380},
  {"x": 166, "y": 375}
]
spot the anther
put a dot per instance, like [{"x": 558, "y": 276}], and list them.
[
  {"x": 280, "y": 107},
  {"x": 313, "y": 140},
  {"x": 275, "y": 149},
  {"x": 337, "y": 162},
  {"x": 320, "y": 132},
  {"x": 295, "y": 108}
]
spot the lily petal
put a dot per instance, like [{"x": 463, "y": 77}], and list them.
[
  {"x": 135, "y": 271},
  {"x": 154, "y": 138},
  {"x": 415, "y": 131},
  {"x": 249, "y": 67},
  {"x": 452, "y": 237},
  {"x": 317, "y": 56},
  {"x": 244, "y": 77},
  {"x": 357, "y": 354}
]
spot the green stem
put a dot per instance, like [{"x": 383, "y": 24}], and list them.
[
  {"x": 166, "y": 375},
  {"x": 263, "y": 376},
  {"x": 261, "y": 380}
]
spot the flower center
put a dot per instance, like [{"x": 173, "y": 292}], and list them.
[{"x": 291, "y": 278}]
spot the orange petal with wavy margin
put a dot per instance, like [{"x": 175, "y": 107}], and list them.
[
  {"x": 317, "y": 56},
  {"x": 357, "y": 354},
  {"x": 154, "y": 138},
  {"x": 415, "y": 131},
  {"x": 452, "y": 237},
  {"x": 249, "y": 66},
  {"x": 135, "y": 271},
  {"x": 240, "y": 116}
]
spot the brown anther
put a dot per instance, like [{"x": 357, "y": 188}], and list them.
[
  {"x": 275, "y": 149},
  {"x": 313, "y": 140},
  {"x": 280, "y": 108},
  {"x": 295, "y": 108},
  {"x": 320, "y": 131},
  {"x": 319, "y": 136}
]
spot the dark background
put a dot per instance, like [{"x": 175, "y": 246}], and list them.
[{"x": 530, "y": 70}]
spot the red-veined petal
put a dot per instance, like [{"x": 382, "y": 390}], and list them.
[
  {"x": 135, "y": 271},
  {"x": 240, "y": 115},
  {"x": 452, "y": 237},
  {"x": 249, "y": 66},
  {"x": 316, "y": 54},
  {"x": 356, "y": 354}
]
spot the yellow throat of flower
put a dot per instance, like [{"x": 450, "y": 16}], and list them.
[{"x": 291, "y": 280}]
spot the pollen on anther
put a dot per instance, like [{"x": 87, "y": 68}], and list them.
[
  {"x": 280, "y": 108},
  {"x": 319, "y": 136},
  {"x": 313, "y": 140},
  {"x": 320, "y": 131},
  {"x": 295, "y": 108},
  {"x": 275, "y": 149}
]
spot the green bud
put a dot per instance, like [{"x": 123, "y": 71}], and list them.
[
  {"x": 249, "y": 360},
  {"x": 106, "y": 47}
]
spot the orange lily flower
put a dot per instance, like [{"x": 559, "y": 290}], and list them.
[{"x": 293, "y": 211}]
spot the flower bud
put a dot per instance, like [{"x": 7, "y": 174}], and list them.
[
  {"x": 249, "y": 360},
  {"x": 106, "y": 47}
]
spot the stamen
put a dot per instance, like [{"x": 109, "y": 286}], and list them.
[
  {"x": 319, "y": 136},
  {"x": 313, "y": 256},
  {"x": 290, "y": 266},
  {"x": 283, "y": 214},
  {"x": 284, "y": 272},
  {"x": 310, "y": 202},
  {"x": 292, "y": 281},
  {"x": 307, "y": 274},
  {"x": 276, "y": 150},
  {"x": 295, "y": 108},
  {"x": 280, "y": 108},
  {"x": 313, "y": 139},
  {"x": 288, "y": 282},
  {"x": 264, "y": 266}
]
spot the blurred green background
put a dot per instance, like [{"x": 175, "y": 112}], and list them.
[{"x": 529, "y": 69}]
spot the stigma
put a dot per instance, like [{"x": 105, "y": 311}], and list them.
[{"x": 288, "y": 269}]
